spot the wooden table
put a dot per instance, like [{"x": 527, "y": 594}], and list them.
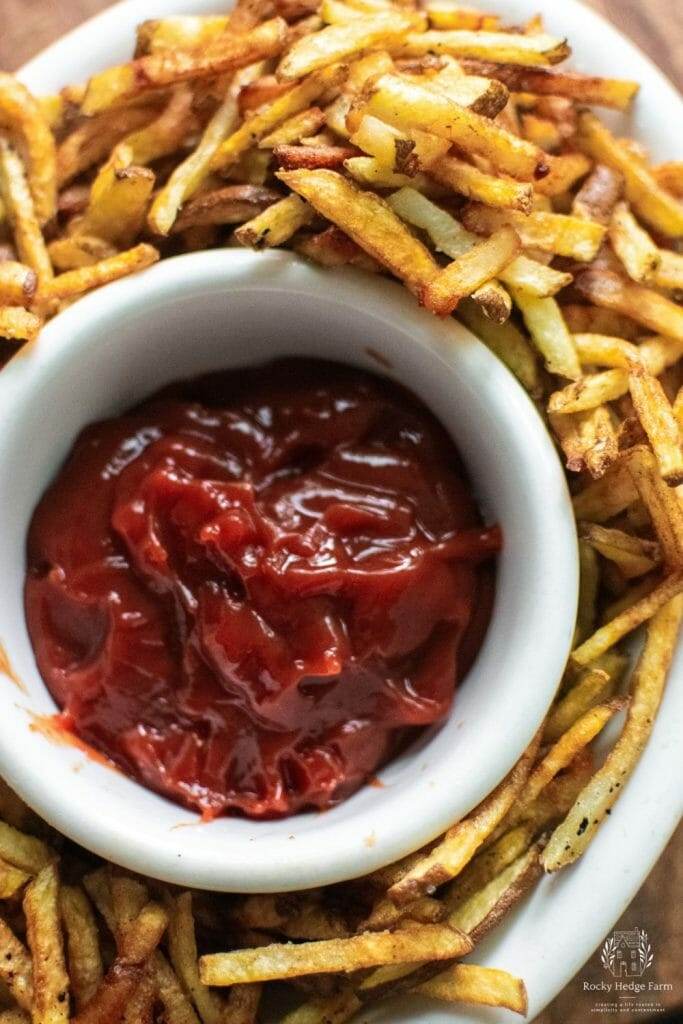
[{"x": 657, "y": 26}]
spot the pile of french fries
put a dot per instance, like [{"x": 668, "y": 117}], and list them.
[{"x": 435, "y": 144}]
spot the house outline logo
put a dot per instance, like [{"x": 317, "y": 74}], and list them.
[{"x": 627, "y": 954}]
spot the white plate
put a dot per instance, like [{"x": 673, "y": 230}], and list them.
[{"x": 557, "y": 928}]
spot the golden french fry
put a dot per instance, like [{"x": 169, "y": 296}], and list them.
[
  {"x": 276, "y": 224},
  {"x": 386, "y": 915},
  {"x": 541, "y": 131},
  {"x": 594, "y": 320},
  {"x": 469, "y": 181},
  {"x": 670, "y": 176},
  {"x": 332, "y": 248},
  {"x": 549, "y": 333},
  {"x": 662, "y": 504},
  {"x": 93, "y": 140},
  {"x": 75, "y": 282},
  {"x": 298, "y": 126},
  {"x": 508, "y": 343},
  {"x": 446, "y": 15},
  {"x": 158, "y": 70},
  {"x": 470, "y": 271},
  {"x": 176, "y": 1006},
  {"x": 650, "y": 201},
  {"x": 565, "y": 170},
  {"x": 499, "y": 47},
  {"x": 477, "y": 986},
  {"x": 12, "y": 880},
  {"x": 669, "y": 273},
  {"x": 82, "y": 940},
  {"x": 183, "y": 953},
  {"x": 22, "y": 116},
  {"x": 606, "y": 350},
  {"x": 590, "y": 89},
  {"x": 44, "y": 937},
  {"x": 181, "y": 31},
  {"x": 552, "y": 232},
  {"x": 595, "y": 685},
  {"x": 634, "y": 555},
  {"x": 614, "y": 630},
  {"x": 297, "y": 916},
  {"x": 18, "y": 324},
  {"x": 634, "y": 247},
  {"x": 599, "y": 194},
  {"x": 23, "y": 851},
  {"x": 368, "y": 220},
  {"x": 166, "y": 133},
  {"x": 461, "y": 842},
  {"x": 336, "y": 42},
  {"x": 21, "y": 214},
  {"x": 659, "y": 423},
  {"x": 141, "y": 936},
  {"x": 643, "y": 305},
  {"x": 571, "y": 838},
  {"x": 483, "y": 910},
  {"x": 78, "y": 251},
  {"x": 496, "y": 855},
  {"x": 16, "y": 969},
  {"x": 420, "y": 942},
  {"x": 588, "y": 439},
  {"x": 119, "y": 198}
]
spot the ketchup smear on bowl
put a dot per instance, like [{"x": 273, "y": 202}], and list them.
[{"x": 251, "y": 589}]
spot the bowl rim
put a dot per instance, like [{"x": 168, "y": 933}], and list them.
[{"x": 551, "y": 610}]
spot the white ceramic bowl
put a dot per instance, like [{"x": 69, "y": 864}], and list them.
[{"x": 207, "y": 311}]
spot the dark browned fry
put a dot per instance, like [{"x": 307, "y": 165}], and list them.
[
  {"x": 599, "y": 194},
  {"x": 233, "y": 204},
  {"x": 312, "y": 157},
  {"x": 606, "y": 92}
]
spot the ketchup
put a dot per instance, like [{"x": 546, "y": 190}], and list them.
[{"x": 250, "y": 590}]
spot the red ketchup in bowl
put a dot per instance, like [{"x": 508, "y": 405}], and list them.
[{"x": 252, "y": 589}]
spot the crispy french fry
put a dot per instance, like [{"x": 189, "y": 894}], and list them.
[
  {"x": 588, "y": 439},
  {"x": 552, "y": 232},
  {"x": 420, "y": 942},
  {"x": 21, "y": 214},
  {"x": 634, "y": 555},
  {"x": 119, "y": 198},
  {"x": 166, "y": 133},
  {"x": 659, "y": 422},
  {"x": 114, "y": 994},
  {"x": 565, "y": 171},
  {"x": 386, "y": 915},
  {"x": 368, "y": 220},
  {"x": 508, "y": 343},
  {"x": 366, "y": 170},
  {"x": 649, "y": 200},
  {"x": 634, "y": 247},
  {"x": 44, "y": 937},
  {"x": 92, "y": 141},
  {"x": 176, "y": 1006},
  {"x": 599, "y": 194},
  {"x": 595, "y": 685},
  {"x": 23, "y": 851},
  {"x": 589, "y": 392},
  {"x": 544, "y": 321},
  {"x": 336, "y": 42},
  {"x": 661, "y": 502},
  {"x": 12, "y": 880},
  {"x": 482, "y": 911},
  {"x": 572, "y": 837},
  {"x": 142, "y": 935},
  {"x": 470, "y": 271},
  {"x": 16, "y": 969},
  {"x": 594, "y": 320},
  {"x": 469, "y": 181},
  {"x": 670, "y": 176},
  {"x": 181, "y": 31},
  {"x": 445, "y": 15},
  {"x": 541, "y": 131},
  {"x": 76, "y": 282},
  {"x": 605, "y": 92},
  {"x": 643, "y": 305},
  {"x": 183, "y": 953},
  {"x": 614, "y": 630},
  {"x": 18, "y": 324},
  {"x": 499, "y": 47},
  {"x": 157, "y": 70},
  {"x": 233, "y": 204},
  {"x": 276, "y": 224},
  {"x": 606, "y": 350},
  {"x": 477, "y": 986},
  {"x": 297, "y": 916},
  {"x": 22, "y": 117},
  {"x": 82, "y": 940},
  {"x": 295, "y": 128},
  {"x": 96, "y": 884},
  {"x": 314, "y": 157},
  {"x": 77, "y": 251},
  {"x": 332, "y": 248},
  {"x": 669, "y": 273}
]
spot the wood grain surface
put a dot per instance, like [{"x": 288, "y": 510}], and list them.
[{"x": 26, "y": 26}]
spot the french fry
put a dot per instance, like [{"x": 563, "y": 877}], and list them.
[
  {"x": 119, "y": 198},
  {"x": 477, "y": 986},
  {"x": 589, "y": 569},
  {"x": 114, "y": 994},
  {"x": 141, "y": 936},
  {"x": 496, "y": 855},
  {"x": 670, "y": 176},
  {"x": 552, "y": 232},
  {"x": 634, "y": 247},
  {"x": 588, "y": 440},
  {"x": 184, "y": 31},
  {"x": 470, "y": 271},
  {"x": 368, "y": 220},
  {"x": 93, "y": 140},
  {"x": 508, "y": 343},
  {"x": 599, "y": 194},
  {"x": 16, "y": 970},
  {"x": 96, "y": 884},
  {"x": 166, "y": 133},
  {"x": 183, "y": 953},
  {"x": 634, "y": 555},
  {"x": 21, "y": 214},
  {"x": 589, "y": 391},
  {"x": 661, "y": 502},
  {"x": 233, "y": 204},
  {"x": 628, "y": 598},
  {"x": 595, "y": 685},
  {"x": 295, "y": 128},
  {"x": 469, "y": 181},
  {"x": 659, "y": 422},
  {"x": 18, "y": 324},
  {"x": 12, "y": 880},
  {"x": 606, "y": 350},
  {"x": 22, "y": 850},
  {"x": 594, "y": 320},
  {"x": 541, "y": 131},
  {"x": 332, "y": 248},
  {"x": 313, "y": 157},
  {"x": 461, "y": 842},
  {"x": 649, "y": 200},
  {"x": 549, "y": 333},
  {"x": 158, "y": 70},
  {"x": 565, "y": 171},
  {"x": 177, "y": 1007},
  {"x": 572, "y": 837},
  {"x": 77, "y": 251},
  {"x": 406, "y": 105},
  {"x": 591, "y": 89},
  {"x": 335, "y": 1009},
  {"x": 44, "y": 937},
  {"x": 669, "y": 273},
  {"x": 499, "y": 47},
  {"x": 482, "y": 911},
  {"x": 386, "y": 915},
  {"x": 451, "y": 16},
  {"x": 276, "y": 224},
  {"x": 337, "y": 42},
  {"x": 643, "y": 305},
  {"x": 82, "y": 940},
  {"x": 76, "y": 282},
  {"x": 614, "y": 630},
  {"x": 366, "y": 170},
  {"x": 22, "y": 117}
]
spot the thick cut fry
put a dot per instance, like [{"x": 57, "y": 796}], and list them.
[
  {"x": 183, "y": 953},
  {"x": 634, "y": 247},
  {"x": 614, "y": 630},
  {"x": 544, "y": 321},
  {"x": 469, "y": 181},
  {"x": 93, "y": 140},
  {"x": 176, "y": 1006},
  {"x": 470, "y": 271},
  {"x": 157, "y": 70},
  {"x": 599, "y": 194},
  {"x": 22, "y": 116},
  {"x": 420, "y": 942},
  {"x": 407, "y": 105},
  {"x": 21, "y": 214},
  {"x": 588, "y": 440},
  {"x": 83, "y": 947},
  {"x": 661, "y": 502},
  {"x": 233, "y": 204},
  {"x": 499, "y": 47},
  {"x": 44, "y": 937},
  {"x": 596, "y": 684},
  {"x": 76, "y": 282},
  {"x": 119, "y": 198},
  {"x": 572, "y": 837},
  {"x": 335, "y": 42},
  {"x": 649, "y": 200},
  {"x": 659, "y": 423},
  {"x": 16, "y": 970},
  {"x": 606, "y": 350},
  {"x": 17, "y": 324},
  {"x": 634, "y": 555},
  {"x": 603, "y": 92},
  {"x": 462, "y": 841},
  {"x": 477, "y": 986},
  {"x": 79, "y": 251},
  {"x": 368, "y": 220},
  {"x": 508, "y": 343},
  {"x": 552, "y": 232},
  {"x": 643, "y": 305},
  {"x": 276, "y": 224}
]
